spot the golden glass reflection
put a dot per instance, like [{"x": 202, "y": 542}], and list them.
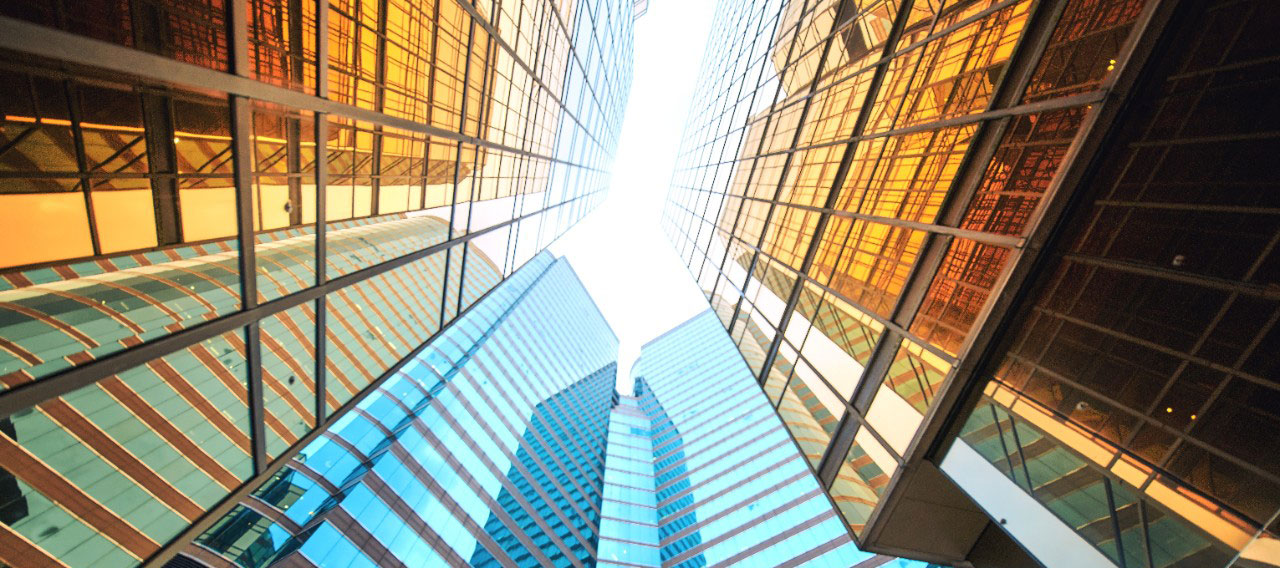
[
  {"x": 960, "y": 289},
  {"x": 916, "y": 374},
  {"x": 862, "y": 479},
  {"x": 811, "y": 411}
]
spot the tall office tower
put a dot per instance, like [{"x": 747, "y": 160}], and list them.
[
  {"x": 1007, "y": 269},
  {"x": 223, "y": 224},
  {"x": 700, "y": 472},
  {"x": 486, "y": 448}
]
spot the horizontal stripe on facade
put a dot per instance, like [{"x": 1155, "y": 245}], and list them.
[
  {"x": 707, "y": 403},
  {"x": 773, "y": 540},
  {"x": 729, "y": 510},
  {"x": 503, "y": 355},
  {"x": 76, "y": 424},
  {"x": 369, "y": 545},
  {"x": 706, "y": 544},
  {"x": 516, "y": 494},
  {"x": 17, "y": 551},
  {"x": 819, "y": 550},
  {"x": 722, "y": 455},
  {"x": 67, "y": 496},
  {"x": 495, "y": 508},
  {"x": 519, "y": 466},
  {"x": 715, "y": 419},
  {"x": 270, "y": 512},
  {"x": 410, "y": 517},
  {"x": 208, "y": 557},
  {"x": 528, "y": 425}
]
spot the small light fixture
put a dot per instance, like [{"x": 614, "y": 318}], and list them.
[{"x": 1169, "y": 409}]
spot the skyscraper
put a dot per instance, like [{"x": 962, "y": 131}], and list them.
[
  {"x": 700, "y": 471},
  {"x": 1005, "y": 269},
  {"x": 223, "y": 225},
  {"x": 487, "y": 448}
]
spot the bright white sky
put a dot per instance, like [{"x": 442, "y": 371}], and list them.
[{"x": 619, "y": 251}]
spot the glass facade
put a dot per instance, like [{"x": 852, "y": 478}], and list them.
[
  {"x": 1135, "y": 394},
  {"x": 486, "y": 449},
  {"x": 868, "y": 190},
  {"x": 223, "y": 224},
  {"x": 700, "y": 471}
]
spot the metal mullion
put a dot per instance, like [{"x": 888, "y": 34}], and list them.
[
  {"x": 537, "y": 111},
  {"x": 1144, "y": 522},
  {"x": 82, "y": 162},
  {"x": 1004, "y": 444},
  {"x": 242, "y": 157},
  {"x": 734, "y": 103},
  {"x": 24, "y": 37},
  {"x": 431, "y": 109},
  {"x": 1115, "y": 520},
  {"x": 30, "y": 394},
  {"x": 1080, "y": 99},
  {"x": 519, "y": 197},
  {"x": 950, "y": 231},
  {"x": 224, "y": 506},
  {"x": 321, "y": 125},
  {"x": 539, "y": 133},
  {"x": 469, "y": 8},
  {"x": 782, "y": 176},
  {"x": 379, "y": 105},
  {"x": 842, "y": 171},
  {"x": 322, "y": 49},
  {"x": 481, "y": 117},
  {"x": 978, "y": 349},
  {"x": 1025, "y": 59},
  {"x": 1022, "y": 455},
  {"x": 457, "y": 181}
]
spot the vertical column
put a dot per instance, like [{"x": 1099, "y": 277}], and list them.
[
  {"x": 322, "y": 180},
  {"x": 242, "y": 160}
]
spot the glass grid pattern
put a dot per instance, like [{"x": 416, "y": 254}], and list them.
[
  {"x": 701, "y": 472},
  {"x": 329, "y": 193},
  {"x": 459, "y": 460},
  {"x": 857, "y": 178},
  {"x": 1149, "y": 336}
]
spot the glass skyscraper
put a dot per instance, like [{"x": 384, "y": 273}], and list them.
[
  {"x": 486, "y": 449},
  {"x": 700, "y": 471},
  {"x": 1006, "y": 269},
  {"x": 227, "y": 226}
]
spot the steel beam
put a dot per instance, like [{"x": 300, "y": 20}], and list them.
[
  {"x": 36, "y": 392},
  {"x": 33, "y": 39}
]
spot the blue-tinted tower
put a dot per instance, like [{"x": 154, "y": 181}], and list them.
[
  {"x": 701, "y": 472},
  {"x": 486, "y": 449}
]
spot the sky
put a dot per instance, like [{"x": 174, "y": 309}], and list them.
[{"x": 619, "y": 251}]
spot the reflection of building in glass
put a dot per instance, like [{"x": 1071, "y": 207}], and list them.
[
  {"x": 1004, "y": 262},
  {"x": 225, "y": 224},
  {"x": 486, "y": 449},
  {"x": 701, "y": 473}
]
